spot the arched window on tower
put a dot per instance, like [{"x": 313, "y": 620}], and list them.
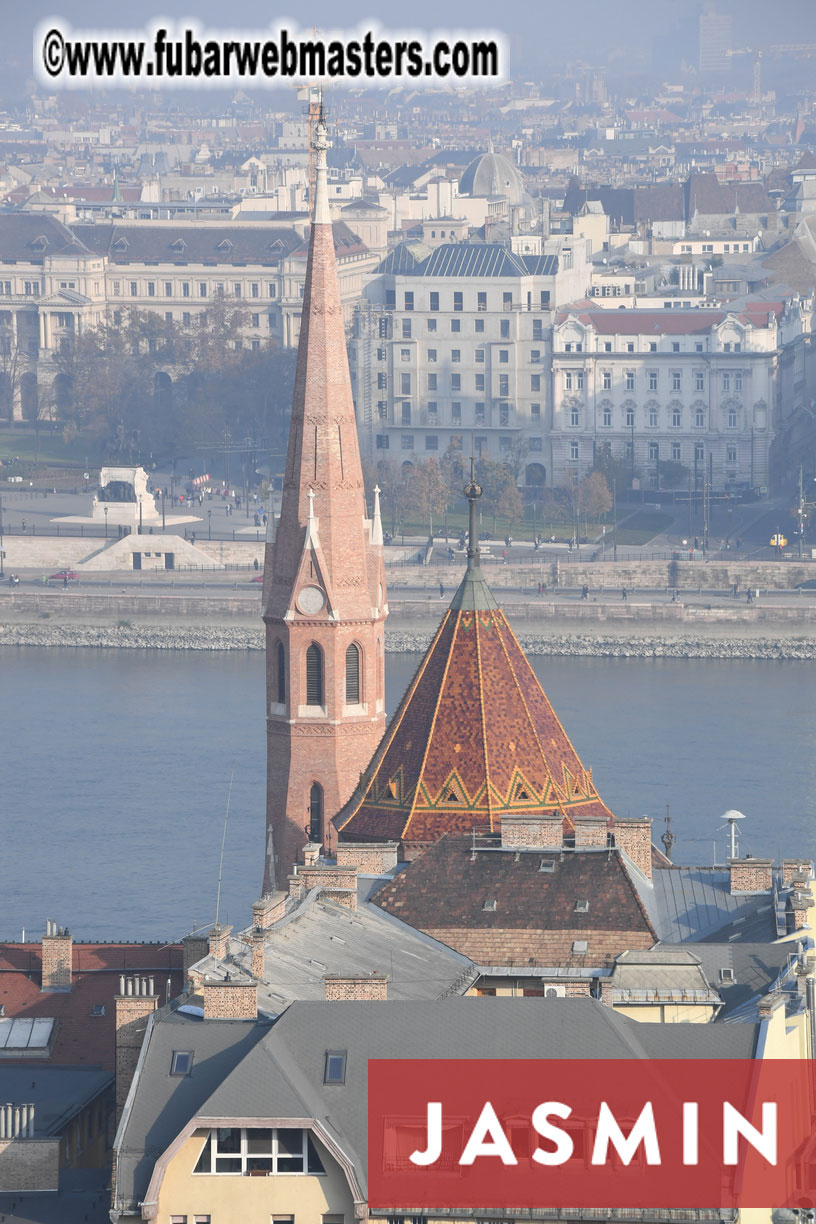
[
  {"x": 316, "y": 813},
  {"x": 314, "y": 675},
  {"x": 280, "y": 664},
  {"x": 353, "y": 675}
]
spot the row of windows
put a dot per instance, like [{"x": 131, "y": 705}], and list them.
[
  {"x": 655, "y": 456},
  {"x": 505, "y": 412},
  {"x": 432, "y": 442},
  {"x": 675, "y": 420},
  {"x": 30, "y": 288},
  {"x": 199, "y": 289},
  {"x": 315, "y": 674},
  {"x": 730, "y": 380},
  {"x": 233, "y": 1149},
  {"x": 456, "y": 328},
  {"x": 630, "y": 346},
  {"x": 457, "y": 300}
]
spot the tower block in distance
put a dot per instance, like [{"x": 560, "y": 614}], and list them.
[{"x": 324, "y": 599}]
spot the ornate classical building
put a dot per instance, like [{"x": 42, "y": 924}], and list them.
[{"x": 324, "y": 601}]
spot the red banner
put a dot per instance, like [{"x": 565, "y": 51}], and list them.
[{"x": 592, "y": 1133}]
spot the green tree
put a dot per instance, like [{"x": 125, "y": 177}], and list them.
[
  {"x": 428, "y": 491},
  {"x": 494, "y": 477},
  {"x": 509, "y": 508},
  {"x": 673, "y": 475}
]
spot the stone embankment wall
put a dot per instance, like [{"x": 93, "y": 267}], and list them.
[
  {"x": 563, "y": 642},
  {"x": 611, "y": 575}
]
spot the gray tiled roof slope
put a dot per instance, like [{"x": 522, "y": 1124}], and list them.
[{"x": 277, "y": 1071}]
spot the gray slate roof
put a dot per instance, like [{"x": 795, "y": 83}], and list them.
[
  {"x": 277, "y": 1071},
  {"x": 691, "y": 904},
  {"x": 755, "y": 968},
  {"x": 57, "y": 1093},
  {"x": 321, "y": 937}
]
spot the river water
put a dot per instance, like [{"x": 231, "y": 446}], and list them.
[{"x": 115, "y": 769}]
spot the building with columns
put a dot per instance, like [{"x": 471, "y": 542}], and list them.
[
  {"x": 58, "y": 281},
  {"x": 324, "y": 599},
  {"x": 702, "y": 387}
]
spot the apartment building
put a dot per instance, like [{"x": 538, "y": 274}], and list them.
[
  {"x": 699, "y": 387},
  {"x": 452, "y": 348},
  {"x": 57, "y": 281}
]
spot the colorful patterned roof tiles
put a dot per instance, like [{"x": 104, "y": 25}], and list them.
[{"x": 473, "y": 739}]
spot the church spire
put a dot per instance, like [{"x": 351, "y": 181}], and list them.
[{"x": 324, "y": 580}]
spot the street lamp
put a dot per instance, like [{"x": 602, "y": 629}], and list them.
[
  {"x": 2, "y": 549},
  {"x": 209, "y": 524},
  {"x": 106, "y": 522},
  {"x": 162, "y": 502}
]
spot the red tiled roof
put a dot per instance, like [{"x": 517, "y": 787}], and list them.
[
  {"x": 474, "y": 738},
  {"x": 82, "y": 1039}
]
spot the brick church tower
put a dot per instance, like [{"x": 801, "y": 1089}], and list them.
[{"x": 324, "y": 601}]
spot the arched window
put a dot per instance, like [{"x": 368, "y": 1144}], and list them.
[
  {"x": 316, "y": 813},
  {"x": 353, "y": 675},
  {"x": 699, "y": 418},
  {"x": 280, "y": 665},
  {"x": 314, "y": 675},
  {"x": 732, "y": 418}
]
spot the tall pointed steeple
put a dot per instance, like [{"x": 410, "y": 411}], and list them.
[{"x": 324, "y": 601}]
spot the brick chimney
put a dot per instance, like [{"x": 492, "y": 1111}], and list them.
[
  {"x": 195, "y": 947},
  {"x": 369, "y": 986},
  {"x": 799, "y": 902},
  {"x": 634, "y": 837},
  {"x": 796, "y": 871},
  {"x": 258, "y": 946},
  {"x": 533, "y": 829},
  {"x": 269, "y": 910},
  {"x": 57, "y": 948},
  {"x": 230, "y": 999},
  {"x": 370, "y": 858},
  {"x": 750, "y": 875},
  {"x": 590, "y": 832},
  {"x": 135, "y": 1001},
  {"x": 219, "y": 941}
]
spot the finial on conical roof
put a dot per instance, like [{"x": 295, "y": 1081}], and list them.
[
  {"x": 376, "y": 521},
  {"x": 473, "y": 492}
]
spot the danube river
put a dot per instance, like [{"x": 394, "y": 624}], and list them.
[{"x": 115, "y": 768}]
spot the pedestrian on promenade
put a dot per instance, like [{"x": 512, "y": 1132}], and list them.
[
  {"x": 441, "y": 591},
  {"x": 585, "y": 591},
  {"x": 623, "y": 594}
]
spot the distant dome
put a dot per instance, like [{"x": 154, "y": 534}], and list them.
[{"x": 492, "y": 174}]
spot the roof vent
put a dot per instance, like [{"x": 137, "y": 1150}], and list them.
[
  {"x": 547, "y": 865},
  {"x": 580, "y": 946},
  {"x": 490, "y": 904},
  {"x": 727, "y": 975},
  {"x": 582, "y": 907}
]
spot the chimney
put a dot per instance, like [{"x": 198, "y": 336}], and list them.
[
  {"x": 591, "y": 832},
  {"x": 369, "y": 986},
  {"x": 269, "y": 910},
  {"x": 750, "y": 875},
  {"x": 258, "y": 946},
  {"x": 219, "y": 941},
  {"x": 533, "y": 829},
  {"x": 57, "y": 948},
  {"x": 796, "y": 871},
  {"x": 135, "y": 1001},
  {"x": 311, "y": 854},
  {"x": 230, "y": 999},
  {"x": 799, "y": 902},
  {"x": 16, "y": 1122},
  {"x": 195, "y": 947},
  {"x": 634, "y": 837}
]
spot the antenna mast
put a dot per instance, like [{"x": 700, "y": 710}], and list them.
[{"x": 223, "y": 840}]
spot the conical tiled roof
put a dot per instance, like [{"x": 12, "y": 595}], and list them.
[{"x": 475, "y": 738}]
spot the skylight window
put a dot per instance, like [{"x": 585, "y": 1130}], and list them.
[
  {"x": 182, "y": 1062},
  {"x": 581, "y": 907},
  {"x": 334, "y": 1067},
  {"x": 490, "y": 904}
]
